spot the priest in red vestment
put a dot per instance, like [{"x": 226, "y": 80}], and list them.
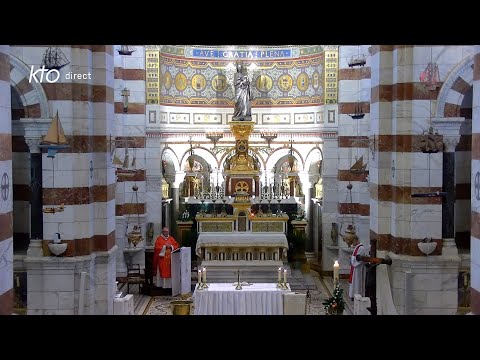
[{"x": 162, "y": 259}]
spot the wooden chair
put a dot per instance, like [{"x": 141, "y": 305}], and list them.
[{"x": 134, "y": 276}]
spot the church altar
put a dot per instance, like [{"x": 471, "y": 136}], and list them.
[
  {"x": 254, "y": 299},
  {"x": 257, "y": 255}
]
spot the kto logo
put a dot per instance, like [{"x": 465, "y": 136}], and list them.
[{"x": 51, "y": 75}]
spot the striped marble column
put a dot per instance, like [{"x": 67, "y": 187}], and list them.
[
  {"x": 130, "y": 132},
  {"x": 81, "y": 178},
  {"x": 420, "y": 285},
  {"x": 380, "y": 169},
  {"x": 475, "y": 227},
  {"x": 6, "y": 193},
  {"x": 354, "y": 96}
]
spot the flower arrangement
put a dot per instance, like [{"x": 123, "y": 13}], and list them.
[{"x": 334, "y": 305}]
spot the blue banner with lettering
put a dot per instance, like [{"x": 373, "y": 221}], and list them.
[{"x": 241, "y": 54}]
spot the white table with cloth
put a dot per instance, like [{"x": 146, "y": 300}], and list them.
[{"x": 254, "y": 299}]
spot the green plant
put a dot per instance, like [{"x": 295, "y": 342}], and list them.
[{"x": 335, "y": 304}]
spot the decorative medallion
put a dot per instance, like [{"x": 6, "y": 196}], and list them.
[
  {"x": 302, "y": 82},
  {"x": 199, "y": 82},
  {"x": 285, "y": 82},
  {"x": 316, "y": 80},
  {"x": 264, "y": 83},
  {"x": 181, "y": 81},
  {"x": 167, "y": 80},
  {"x": 241, "y": 186},
  {"x": 219, "y": 83},
  {"x": 5, "y": 186}
]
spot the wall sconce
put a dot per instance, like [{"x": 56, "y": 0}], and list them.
[
  {"x": 125, "y": 94},
  {"x": 268, "y": 135},
  {"x": 214, "y": 136}
]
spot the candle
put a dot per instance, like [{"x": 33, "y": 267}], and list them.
[
  {"x": 199, "y": 276},
  {"x": 204, "y": 273},
  {"x": 336, "y": 268},
  {"x": 285, "y": 276},
  {"x": 279, "y": 274}
]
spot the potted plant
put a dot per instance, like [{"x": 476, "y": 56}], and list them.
[{"x": 334, "y": 305}]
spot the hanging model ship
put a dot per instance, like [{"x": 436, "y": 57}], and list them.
[
  {"x": 359, "y": 167},
  {"x": 54, "y": 140},
  {"x": 125, "y": 169},
  {"x": 359, "y": 114},
  {"x": 126, "y": 50},
  {"x": 430, "y": 77},
  {"x": 54, "y": 59},
  {"x": 359, "y": 60}
]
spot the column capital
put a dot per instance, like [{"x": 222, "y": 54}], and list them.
[
  {"x": 449, "y": 128},
  {"x": 32, "y": 130},
  {"x": 304, "y": 177},
  {"x": 179, "y": 177}
]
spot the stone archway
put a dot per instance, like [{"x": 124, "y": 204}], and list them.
[{"x": 31, "y": 94}]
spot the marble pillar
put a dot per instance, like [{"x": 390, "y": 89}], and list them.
[{"x": 450, "y": 129}]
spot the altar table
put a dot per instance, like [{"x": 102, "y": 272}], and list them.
[{"x": 254, "y": 299}]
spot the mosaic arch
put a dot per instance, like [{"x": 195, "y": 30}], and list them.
[{"x": 203, "y": 76}]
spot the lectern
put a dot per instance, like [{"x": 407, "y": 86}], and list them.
[{"x": 181, "y": 271}]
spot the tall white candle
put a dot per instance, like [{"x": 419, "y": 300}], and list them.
[
  {"x": 285, "y": 276},
  {"x": 204, "y": 273},
  {"x": 199, "y": 276},
  {"x": 336, "y": 268},
  {"x": 279, "y": 274}
]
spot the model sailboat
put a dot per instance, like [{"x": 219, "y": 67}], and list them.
[
  {"x": 359, "y": 114},
  {"x": 55, "y": 134},
  {"x": 430, "y": 77},
  {"x": 54, "y": 140},
  {"x": 54, "y": 59},
  {"x": 126, "y": 50},
  {"x": 359, "y": 167},
  {"x": 125, "y": 168},
  {"x": 358, "y": 60}
]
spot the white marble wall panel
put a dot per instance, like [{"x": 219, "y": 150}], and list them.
[
  {"x": 103, "y": 210},
  {"x": 105, "y": 273},
  {"x": 133, "y": 130},
  {"x": 6, "y": 265},
  {"x": 475, "y": 263},
  {"x": 134, "y": 120},
  {"x": 102, "y": 60},
  {"x": 131, "y": 62},
  {"x": 381, "y": 114}
]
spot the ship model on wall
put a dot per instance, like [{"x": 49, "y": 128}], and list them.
[
  {"x": 54, "y": 140},
  {"x": 54, "y": 59},
  {"x": 125, "y": 168},
  {"x": 126, "y": 50},
  {"x": 359, "y": 167}
]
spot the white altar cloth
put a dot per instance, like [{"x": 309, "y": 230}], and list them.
[{"x": 223, "y": 299}]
